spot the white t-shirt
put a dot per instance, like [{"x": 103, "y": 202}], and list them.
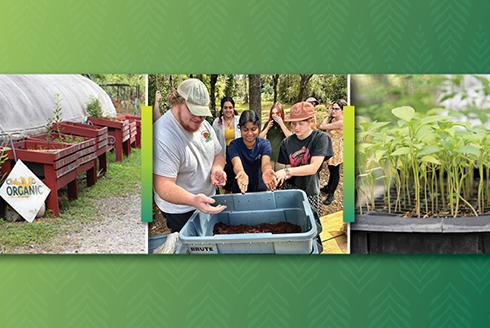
[{"x": 184, "y": 155}]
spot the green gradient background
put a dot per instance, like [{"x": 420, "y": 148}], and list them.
[
  {"x": 349, "y": 164},
  {"x": 244, "y": 291},
  {"x": 277, "y": 36},
  {"x": 146, "y": 164}
]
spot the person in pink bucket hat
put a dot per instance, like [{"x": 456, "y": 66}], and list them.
[
  {"x": 303, "y": 153},
  {"x": 313, "y": 101}
]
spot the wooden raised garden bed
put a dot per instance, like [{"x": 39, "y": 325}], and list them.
[
  {"x": 132, "y": 134},
  {"x": 91, "y": 131},
  {"x": 87, "y": 152},
  {"x": 119, "y": 130},
  {"x": 54, "y": 163},
  {"x": 137, "y": 120}
]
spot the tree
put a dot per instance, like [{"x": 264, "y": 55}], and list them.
[
  {"x": 245, "y": 99},
  {"x": 275, "y": 78},
  {"x": 230, "y": 85},
  {"x": 212, "y": 92},
  {"x": 255, "y": 94},
  {"x": 303, "y": 83}
]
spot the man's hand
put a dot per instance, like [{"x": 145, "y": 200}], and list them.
[
  {"x": 242, "y": 179},
  {"x": 269, "y": 178},
  {"x": 201, "y": 202},
  {"x": 218, "y": 178},
  {"x": 158, "y": 96}
]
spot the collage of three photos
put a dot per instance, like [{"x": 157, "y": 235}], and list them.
[{"x": 244, "y": 164}]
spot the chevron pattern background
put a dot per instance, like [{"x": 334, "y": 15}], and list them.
[
  {"x": 277, "y": 36},
  {"x": 244, "y": 291}
]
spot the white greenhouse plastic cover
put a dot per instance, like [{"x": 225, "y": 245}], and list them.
[{"x": 26, "y": 101}]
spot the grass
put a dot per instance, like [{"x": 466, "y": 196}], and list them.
[
  {"x": 121, "y": 179},
  {"x": 25, "y": 234}
]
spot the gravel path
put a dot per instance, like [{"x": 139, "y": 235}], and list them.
[{"x": 118, "y": 231}]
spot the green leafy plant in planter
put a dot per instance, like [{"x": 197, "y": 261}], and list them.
[
  {"x": 426, "y": 158},
  {"x": 66, "y": 138},
  {"x": 57, "y": 118},
  {"x": 94, "y": 107}
]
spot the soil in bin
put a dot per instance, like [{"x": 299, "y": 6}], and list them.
[
  {"x": 159, "y": 224},
  {"x": 280, "y": 227}
]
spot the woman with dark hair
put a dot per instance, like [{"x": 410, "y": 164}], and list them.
[
  {"x": 333, "y": 125},
  {"x": 226, "y": 125},
  {"x": 275, "y": 131},
  {"x": 303, "y": 153},
  {"x": 250, "y": 156}
]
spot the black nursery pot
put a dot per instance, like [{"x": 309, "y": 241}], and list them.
[{"x": 387, "y": 234}]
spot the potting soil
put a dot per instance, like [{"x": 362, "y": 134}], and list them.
[{"x": 277, "y": 228}]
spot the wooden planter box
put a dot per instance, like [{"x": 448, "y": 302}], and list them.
[
  {"x": 132, "y": 133},
  {"x": 56, "y": 164},
  {"x": 87, "y": 153},
  {"x": 90, "y": 131},
  {"x": 136, "y": 119},
  {"x": 119, "y": 130},
  {"x": 83, "y": 142}
]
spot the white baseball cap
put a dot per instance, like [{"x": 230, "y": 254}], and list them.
[{"x": 196, "y": 96}]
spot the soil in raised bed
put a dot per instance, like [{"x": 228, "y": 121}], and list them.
[{"x": 280, "y": 227}]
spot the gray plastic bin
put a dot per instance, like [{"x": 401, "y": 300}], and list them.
[
  {"x": 252, "y": 209},
  {"x": 155, "y": 242}
]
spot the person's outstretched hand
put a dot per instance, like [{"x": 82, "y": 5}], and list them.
[
  {"x": 269, "y": 177},
  {"x": 242, "y": 179},
  {"x": 201, "y": 202},
  {"x": 218, "y": 178}
]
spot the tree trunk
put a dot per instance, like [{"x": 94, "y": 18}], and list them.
[
  {"x": 245, "y": 99},
  {"x": 230, "y": 85},
  {"x": 254, "y": 94},
  {"x": 152, "y": 88},
  {"x": 212, "y": 93},
  {"x": 303, "y": 83},
  {"x": 275, "y": 78}
]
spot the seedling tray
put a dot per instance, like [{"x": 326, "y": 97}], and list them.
[{"x": 252, "y": 209}]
